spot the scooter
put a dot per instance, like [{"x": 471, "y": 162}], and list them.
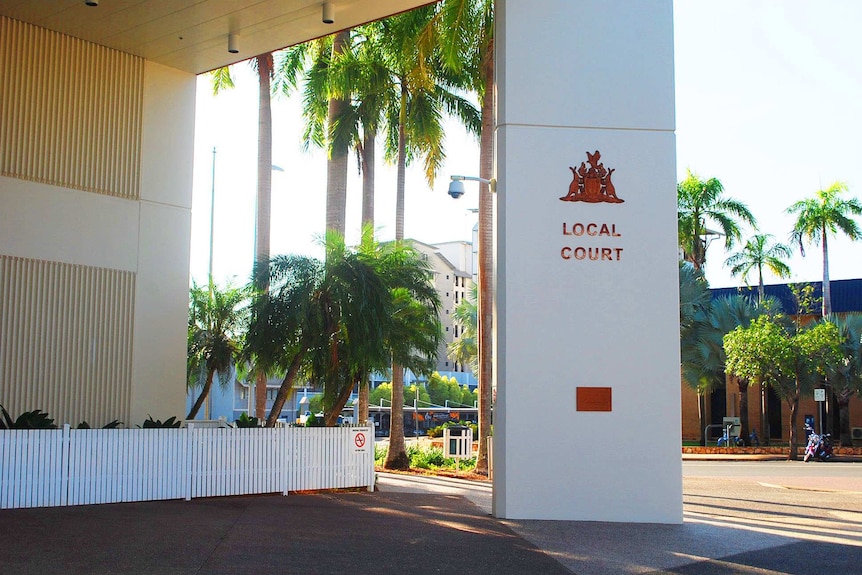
[{"x": 819, "y": 446}]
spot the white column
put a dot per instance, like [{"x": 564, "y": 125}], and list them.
[
  {"x": 587, "y": 419},
  {"x": 162, "y": 291}
]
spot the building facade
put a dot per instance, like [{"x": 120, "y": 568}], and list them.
[{"x": 724, "y": 401}]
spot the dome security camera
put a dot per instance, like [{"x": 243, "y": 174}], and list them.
[{"x": 456, "y": 189}]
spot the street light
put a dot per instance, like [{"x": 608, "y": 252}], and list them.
[{"x": 484, "y": 305}]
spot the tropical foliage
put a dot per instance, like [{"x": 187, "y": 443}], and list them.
[
  {"x": 827, "y": 213},
  {"x": 792, "y": 363},
  {"x": 760, "y": 252},
  {"x": 338, "y": 319},
  {"x": 216, "y": 321},
  {"x": 701, "y": 203}
]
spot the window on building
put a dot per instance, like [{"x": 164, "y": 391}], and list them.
[
  {"x": 447, "y": 364},
  {"x": 447, "y": 328},
  {"x": 447, "y": 276}
]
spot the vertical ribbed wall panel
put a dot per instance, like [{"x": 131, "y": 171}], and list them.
[
  {"x": 66, "y": 340},
  {"x": 70, "y": 111}
]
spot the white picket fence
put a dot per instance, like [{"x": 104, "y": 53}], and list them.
[{"x": 49, "y": 468}]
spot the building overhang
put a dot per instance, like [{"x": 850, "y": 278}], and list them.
[{"x": 192, "y": 35}]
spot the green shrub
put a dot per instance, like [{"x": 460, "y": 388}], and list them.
[
  {"x": 35, "y": 419},
  {"x": 171, "y": 422},
  {"x": 113, "y": 425},
  {"x": 246, "y": 421},
  {"x": 430, "y": 458},
  {"x": 379, "y": 454},
  {"x": 438, "y": 431},
  {"x": 314, "y": 421}
]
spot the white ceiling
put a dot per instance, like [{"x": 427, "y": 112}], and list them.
[{"x": 192, "y": 35}]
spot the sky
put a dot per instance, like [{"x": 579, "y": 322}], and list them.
[{"x": 768, "y": 100}]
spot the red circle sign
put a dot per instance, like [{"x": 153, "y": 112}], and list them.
[{"x": 359, "y": 440}]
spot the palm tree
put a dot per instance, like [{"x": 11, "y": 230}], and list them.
[
  {"x": 846, "y": 376},
  {"x": 221, "y": 79},
  {"x": 695, "y": 331},
  {"x": 216, "y": 317},
  {"x": 337, "y": 320},
  {"x": 700, "y": 203},
  {"x": 817, "y": 217},
  {"x": 760, "y": 252},
  {"x": 466, "y": 314},
  {"x": 465, "y": 30}
]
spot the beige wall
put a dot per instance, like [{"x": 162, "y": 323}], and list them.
[{"x": 96, "y": 162}]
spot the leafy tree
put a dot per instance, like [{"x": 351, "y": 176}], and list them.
[
  {"x": 703, "y": 324},
  {"x": 845, "y": 376},
  {"x": 760, "y": 252},
  {"x": 410, "y": 395},
  {"x": 701, "y": 203},
  {"x": 818, "y": 217},
  {"x": 727, "y": 314},
  {"x": 381, "y": 392},
  {"x": 216, "y": 318},
  {"x": 791, "y": 363},
  {"x": 468, "y": 398},
  {"x": 437, "y": 387}
]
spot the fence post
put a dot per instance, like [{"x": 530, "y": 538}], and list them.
[
  {"x": 189, "y": 455},
  {"x": 284, "y": 451},
  {"x": 65, "y": 447}
]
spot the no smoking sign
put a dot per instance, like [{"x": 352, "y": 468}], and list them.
[{"x": 360, "y": 441}]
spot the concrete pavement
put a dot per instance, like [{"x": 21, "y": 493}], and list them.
[{"x": 413, "y": 524}]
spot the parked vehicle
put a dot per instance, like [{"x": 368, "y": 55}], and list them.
[{"x": 819, "y": 446}]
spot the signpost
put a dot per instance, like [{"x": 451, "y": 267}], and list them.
[{"x": 820, "y": 398}]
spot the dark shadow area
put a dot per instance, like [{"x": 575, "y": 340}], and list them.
[{"x": 302, "y": 534}]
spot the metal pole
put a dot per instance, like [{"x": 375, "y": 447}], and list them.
[
  {"x": 208, "y": 404},
  {"x": 212, "y": 221}
]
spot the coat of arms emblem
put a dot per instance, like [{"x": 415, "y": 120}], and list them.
[{"x": 591, "y": 183}]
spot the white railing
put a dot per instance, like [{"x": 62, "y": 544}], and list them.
[{"x": 49, "y": 468}]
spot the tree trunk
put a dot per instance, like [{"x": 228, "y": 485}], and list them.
[
  {"x": 844, "y": 417},
  {"x": 202, "y": 397},
  {"x": 336, "y": 167},
  {"x": 486, "y": 265},
  {"x": 701, "y": 414},
  {"x": 742, "y": 385},
  {"x": 263, "y": 216},
  {"x": 402, "y": 166},
  {"x": 827, "y": 291},
  {"x": 396, "y": 456},
  {"x": 793, "y": 402},
  {"x": 260, "y": 395},
  {"x": 331, "y": 417},
  {"x": 284, "y": 389},
  {"x": 367, "y": 158},
  {"x": 364, "y": 392},
  {"x": 764, "y": 415}
]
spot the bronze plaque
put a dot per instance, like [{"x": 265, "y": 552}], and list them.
[{"x": 593, "y": 399}]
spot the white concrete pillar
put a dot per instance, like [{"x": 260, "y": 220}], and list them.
[{"x": 587, "y": 419}]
